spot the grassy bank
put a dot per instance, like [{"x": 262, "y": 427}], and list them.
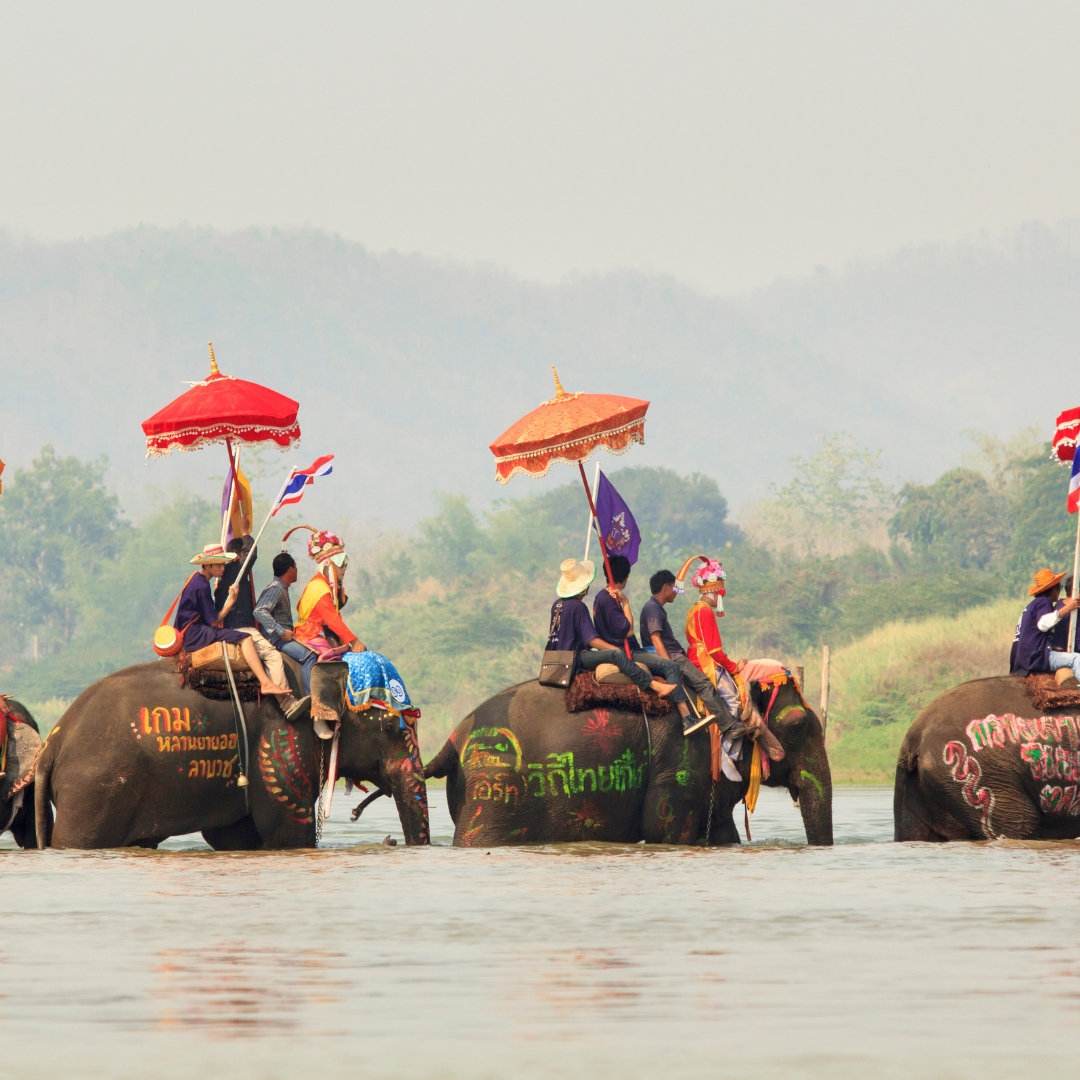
[{"x": 881, "y": 682}]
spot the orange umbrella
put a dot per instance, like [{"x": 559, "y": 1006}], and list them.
[{"x": 569, "y": 428}]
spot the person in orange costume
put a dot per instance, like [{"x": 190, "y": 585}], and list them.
[
  {"x": 705, "y": 649},
  {"x": 323, "y": 597}
]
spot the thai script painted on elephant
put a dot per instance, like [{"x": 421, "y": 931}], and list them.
[
  {"x": 1057, "y": 800},
  {"x": 485, "y": 746},
  {"x": 188, "y": 743},
  {"x": 965, "y": 770},
  {"x": 562, "y": 778},
  {"x": 207, "y": 768},
  {"x": 159, "y": 721},
  {"x": 1051, "y": 762},
  {"x": 997, "y": 730},
  {"x": 495, "y": 787}
]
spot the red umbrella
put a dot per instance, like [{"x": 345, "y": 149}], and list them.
[
  {"x": 569, "y": 428},
  {"x": 222, "y": 409}
]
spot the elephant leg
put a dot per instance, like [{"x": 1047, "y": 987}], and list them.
[
  {"x": 239, "y": 836},
  {"x": 669, "y": 817}
]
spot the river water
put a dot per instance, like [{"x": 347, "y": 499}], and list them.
[{"x": 869, "y": 959}]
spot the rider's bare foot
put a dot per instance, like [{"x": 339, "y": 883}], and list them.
[
  {"x": 661, "y": 688},
  {"x": 272, "y": 688}
]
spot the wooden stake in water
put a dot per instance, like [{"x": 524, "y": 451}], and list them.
[{"x": 823, "y": 712}]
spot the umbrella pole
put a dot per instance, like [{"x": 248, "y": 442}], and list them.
[{"x": 599, "y": 538}]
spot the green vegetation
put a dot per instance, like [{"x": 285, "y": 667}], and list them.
[
  {"x": 879, "y": 684},
  {"x": 461, "y": 604}
]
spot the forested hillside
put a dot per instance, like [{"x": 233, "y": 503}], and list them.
[{"x": 407, "y": 368}]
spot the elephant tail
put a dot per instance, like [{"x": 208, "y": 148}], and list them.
[
  {"x": 43, "y": 818},
  {"x": 445, "y": 763}
]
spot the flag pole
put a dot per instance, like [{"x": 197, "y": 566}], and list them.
[
  {"x": 227, "y": 513},
  {"x": 600, "y": 540},
  {"x": 593, "y": 523},
  {"x": 273, "y": 507},
  {"x": 1076, "y": 574}
]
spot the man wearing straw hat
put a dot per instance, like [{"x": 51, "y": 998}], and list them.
[
  {"x": 1033, "y": 646},
  {"x": 572, "y": 629},
  {"x": 201, "y": 624}
]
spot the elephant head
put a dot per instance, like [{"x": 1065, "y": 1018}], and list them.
[
  {"x": 804, "y": 770},
  {"x": 376, "y": 747}
]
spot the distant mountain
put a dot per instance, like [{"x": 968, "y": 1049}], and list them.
[{"x": 407, "y": 368}]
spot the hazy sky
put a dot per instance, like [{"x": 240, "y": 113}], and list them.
[{"x": 726, "y": 143}]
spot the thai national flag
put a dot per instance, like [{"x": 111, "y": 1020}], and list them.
[
  {"x": 1074, "y": 484},
  {"x": 293, "y": 491}
]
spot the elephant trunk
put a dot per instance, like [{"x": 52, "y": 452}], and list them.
[
  {"x": 405, "y": 779},
  {"x": 811, "y": 777}
]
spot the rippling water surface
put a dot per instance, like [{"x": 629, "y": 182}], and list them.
[{"x": 864, "y": 960}]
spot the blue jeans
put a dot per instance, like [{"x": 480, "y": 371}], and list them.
[
  {"x": 304, "y": 656},
  {"x": 665, "y": 670},
  {"x": 591, "y": 659},
  {"x": 1065, "y": 659}
]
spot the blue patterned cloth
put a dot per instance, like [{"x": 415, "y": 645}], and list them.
[{"x": 373, "y": 678}]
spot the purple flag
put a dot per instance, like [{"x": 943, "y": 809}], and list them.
[{"x": 617, "y": 524}]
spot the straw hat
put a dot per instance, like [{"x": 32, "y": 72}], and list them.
[
  {"x": 213, "y": 553},
  {"x": 1045, "y": 579},
  {"x": 576, "y": 577}
]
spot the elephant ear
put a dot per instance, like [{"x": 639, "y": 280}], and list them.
[
  {"x": 328, "y": 679},
  {"x": 791, "y": 725},
  {"x": 23, "y": 744}
]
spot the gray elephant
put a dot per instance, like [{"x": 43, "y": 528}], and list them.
[
  {"x": 983, "y": 761},
  {"x": 137, "y": 758},
  {"x": 20, "y": 741},
  {"x": 523, "y": 770}
]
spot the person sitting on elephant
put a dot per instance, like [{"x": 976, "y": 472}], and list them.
[
  {"x": 572, "y": 630},
  {"x": 657, "y": 630},
  {"x": 614, "y": 622},
  {"x": 323, "y": 597},
  {"x": 1033, "y": 648},
  {"x": 202, "y": 625},
  {"x": 706, "y": 649},
  {"x": 274, "y": 615}
]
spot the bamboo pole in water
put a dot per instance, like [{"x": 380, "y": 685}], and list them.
[
  {"x": 800, "y": 676},
  {"x": 824, "y": 711}
]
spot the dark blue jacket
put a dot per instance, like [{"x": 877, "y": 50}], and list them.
[{"x": 1031, "y": 647}]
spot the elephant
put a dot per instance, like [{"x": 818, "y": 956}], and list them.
[
  {"x": 16, "y": 780},
  {"x": 137, "y": 758},
  {"x": 521, "y": 769},
  {"x": 982, "y": 761}
]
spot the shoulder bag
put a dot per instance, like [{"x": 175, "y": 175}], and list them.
[{"x": 558, "y": 666}]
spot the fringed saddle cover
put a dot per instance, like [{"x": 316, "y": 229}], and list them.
[
  {"x": 1046, "y": 694},
  {"x": 586, "y": 693},
  {"x": 215, "y": 684}
]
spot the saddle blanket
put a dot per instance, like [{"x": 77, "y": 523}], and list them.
[{"x": 373, "y": 680}]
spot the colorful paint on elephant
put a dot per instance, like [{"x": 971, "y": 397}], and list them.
[
  {"x": 1051, "y": 762},
  {"x": 587, "y": 819},
  {"x": 558, "y": 777},
  {"x": 1063, "y": 801},
  {"x": 487, "y": 748},
  {"x": 600, "y": 729},
  {"x": 965, "y": 771},
  {"x": 285, "y": 778},
  {"x": 162, "y": 721},
  {"x": 993, "y": 731}
]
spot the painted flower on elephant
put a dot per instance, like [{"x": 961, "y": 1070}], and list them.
[
  {"x": 587, "y": 818},
  {"x": 602, "y": 731}
]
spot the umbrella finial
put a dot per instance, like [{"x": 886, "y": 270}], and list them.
[
  {"x": 559, "y": 391},
  {"x": 214, "y": 367}
]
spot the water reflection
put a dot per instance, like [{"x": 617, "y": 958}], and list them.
[{"x": 866, "y": 959}]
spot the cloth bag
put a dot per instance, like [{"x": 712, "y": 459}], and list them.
[{"x": 168, "y": 641}]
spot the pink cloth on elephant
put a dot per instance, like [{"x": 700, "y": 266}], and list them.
[{"x": 761, "y": 670}]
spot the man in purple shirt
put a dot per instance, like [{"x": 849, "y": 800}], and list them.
[
  {"x": 572, "y": 630},
  {"x": 614, "y": 622},
  {"x": 1033, "y": 648}
]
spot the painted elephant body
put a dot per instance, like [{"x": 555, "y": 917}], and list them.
[
  {"x": 137, "y": 758},
  {"x": 981, "y": 761},
  {"x": 16, "y": 783},
  {"x": 521, "y": 770}
]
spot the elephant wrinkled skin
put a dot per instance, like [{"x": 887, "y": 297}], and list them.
[
  {"x": 522, "y": 770},
  {"x": 982, "y": 762},
  {"x": 137, "y": 759}
]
